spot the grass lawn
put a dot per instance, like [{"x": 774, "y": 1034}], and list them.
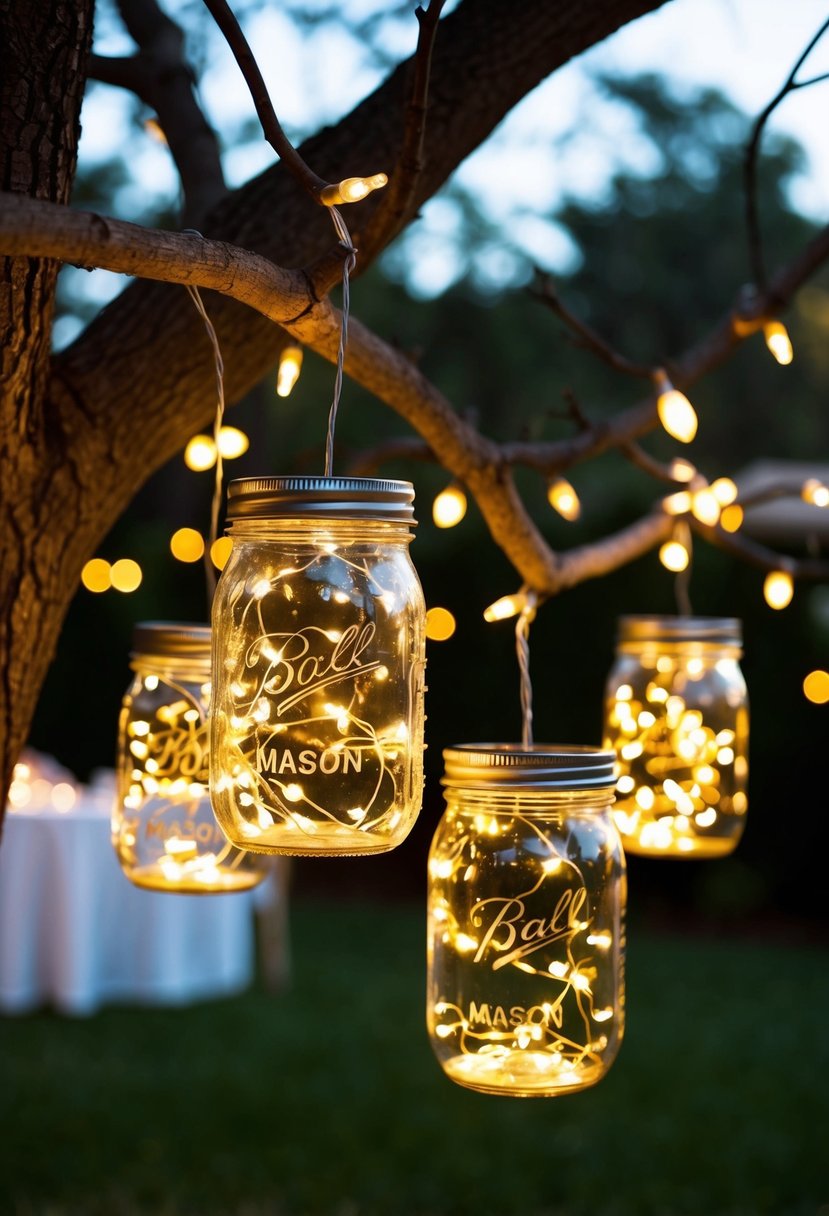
[{"x": 327, "y": 1099}]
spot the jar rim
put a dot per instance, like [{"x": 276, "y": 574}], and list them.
[
  {"x": 562, "y": 766},
  {"x": 718, "y": 630},
  {"x": 370, "y": 498},
  {"x": 171, "y": 639}
]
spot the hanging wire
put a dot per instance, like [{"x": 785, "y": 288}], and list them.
[
  {"x": 682, "y": 582},
  {"x": 210, "y": 573},
  {"x": 522, "y": 649},
  {"x": 349, "y": 263}
]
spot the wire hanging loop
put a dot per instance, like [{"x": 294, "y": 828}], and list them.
[
  {"x": 522, "y": 649},
  {"x": 349, "y": 262},
  {"x": 215, "y": 507},
  {"x": 682, "y": 582}
]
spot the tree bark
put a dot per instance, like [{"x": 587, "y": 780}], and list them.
[{"x": 43, "y": 50}]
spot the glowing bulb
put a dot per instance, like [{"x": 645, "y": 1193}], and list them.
[
  {"x": 778, "y": 589},
  {"x": 232, "y": 442},
  {"x": 674, "y": 556},
  {"x": 724, "y": 490},
  {"x": 220, "y": 551},
  {"x": 676, "y": 413},
  {"x": 449, "y": 507},
  {"x": 186, "y": 545},
  {"x": 778, "y": 341},
  {"x": 290, "y": 364},
  {"x": 705, "y": 507},
  {"x": 816, "y": 687},
  {"x": 504, "y": 608},
  {"x": 682, "y": 470},
  {"x": 564, "y": 499},
  {"x": 815, "y": 492},
  {"x": 352, "y": 189},
  {"x": 155, "y": 130},
  {"x": 440, "y": 624},
  {"x": 732, "y": 518},
  {"x": 200, "y": 453},
  {"x": 126, "y": 575},
  {"x": 96, "y": 575},
  {"x": 677, "y": 504}
]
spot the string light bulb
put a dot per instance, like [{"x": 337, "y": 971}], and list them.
[
  {"x": 186, "y": 545},
  {"x": 682, "y": 470},
  {"x": 674, "y": 556},
  {"x": 290, "y": 365},
  {"x": 705, "y": 507},
  {"x": 200, "y": 453},
  {"x": 724, "y": 490},
  {"x": 677, "y": 415},
  {"x": 778, "y": 341},
  {"x": 778, "y": 589},
  {"x": 220, "y": 551},
  {"x": 96, "y": 575},
  {"x": 677, "y": 504},
  {"x": 732, "y": 517},
  {"x": 126, "y": 575},
  {"x": 352, "y": 189},
  {"x": 815, "y": 493},
  {"x": 505, "y": 607},
  {"x": 563, "y": 498},
  {"x": 816, "y": 687},
  {"x": 449, "y": 507},
  {"x": 440, "y": 624},
  {"x": 233, "y": 443}
]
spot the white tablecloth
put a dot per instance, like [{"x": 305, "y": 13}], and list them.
[{"x": 75, "y": 933}]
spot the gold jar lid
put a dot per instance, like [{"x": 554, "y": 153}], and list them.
[
  {"x": 554, "y": 766},
  {"x": 370, "y": 498},
  {"x": 716, "y": 630},
  {"x": 169, "y": 639}
]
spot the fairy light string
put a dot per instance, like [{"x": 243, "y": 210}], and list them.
[{"x": 349, "y": 262}]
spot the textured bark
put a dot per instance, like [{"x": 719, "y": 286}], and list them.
[
  {"x": 43, "y": 49},
  {"x": 78, "y": 445}
]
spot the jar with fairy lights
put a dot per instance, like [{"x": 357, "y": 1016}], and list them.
[
  {"x": 525, "y": 991},
  {"x": 164, "y": 830},
  {"x": 319, "y": 626},
  {"x": 676, "y": 713}
]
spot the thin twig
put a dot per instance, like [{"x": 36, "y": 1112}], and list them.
[
  {"x": 545, "y": 292},
  {"x": 405, "y": 447},
  {"x": 751, "y": 551},
  {"x": 755, "y": 241},
  {"x": 224, "y": 17},
  {"x": 397, "y": 199},
  {"x": 648, "y": 464}
]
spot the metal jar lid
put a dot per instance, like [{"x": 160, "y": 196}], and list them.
[
  {"x": 716, "y": 630},
  {"x": 168, "y": 639},
  {"x": 370, "y": 498},
  {"x": 542, "y": 766}
]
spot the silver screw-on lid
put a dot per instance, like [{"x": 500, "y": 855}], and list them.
[
  {"x": 371, "y": 498},
  {"x": 717, "y": 630},
  {"x": 540, "y": 766},
  {"x": 169, "y": 639}
]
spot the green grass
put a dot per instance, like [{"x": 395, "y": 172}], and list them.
[{"x": 327, "y": 1100}]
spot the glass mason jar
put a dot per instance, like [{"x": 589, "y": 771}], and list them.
[
  {"x": 676, "y": 713},
  {"x": 318, "y": 621},
  {"x": 163, "y": 827},
  {"x": 525, "y": 991}
]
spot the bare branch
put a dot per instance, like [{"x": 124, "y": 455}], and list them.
[
  {"x": 403, "y": 447},
  {"x": 602, "y": 556},
  {"x": 648, "y": 464},
  {"x": 396, "y": 202},
  {"x": 160, "y": 76},
  {"x": 271, "y": 126},
  {"x": 755, "y": 242},
  {"x": 755, "y": 554},
  {"x": 545, "y": 292}
]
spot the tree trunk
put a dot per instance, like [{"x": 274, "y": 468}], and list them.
[{"x": 43, "y": 51}]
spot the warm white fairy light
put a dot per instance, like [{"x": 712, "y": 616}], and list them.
[
  {"x": 96, "y": 575},
  {"x": 731, "y": 519},
  {"x": 816, "y": 687},
  {"x": 674, "y": 556},
  {"x": 187, "y": 545},
  {"x": 352, "y": 189},
  {"x": 440, "y": 624},
  {"x": 778, "y": 341},
  {"x": 200, "y": 453},
  {"x": 563, "y": 498},
  {"x": 233, "y": 443},
  {"x": 449, "y": 507},
  {"x": 678, "y": 503},
  {"x": 682, "y": 470},
  {"x": 504, "y": 608},
  {"x": 676, "y": 413},
  {"x": 815, "y": 493},
  {"x": 290, "y": 365},
  {"x": 724, "y": 490},
  {"x": 705, "y": 507},
  {"x": 126, "y": 575},
  {"x": 778, "y": 589}
]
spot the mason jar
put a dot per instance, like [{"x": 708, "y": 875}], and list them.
[
  {"x": 163, "y": 828},
  {"x": 676, "y": 714},
  {"x": 319, "y": 626},
  {"x": 525, "y": 991}
]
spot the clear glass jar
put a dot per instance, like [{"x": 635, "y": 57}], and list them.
[
  {"x": 676, "y": 713},
  {"x": 319, "y": 627},
  {"x": 163, "y": 827},
  {"x": 525, "y": 992}
]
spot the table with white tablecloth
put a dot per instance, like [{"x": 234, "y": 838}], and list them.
[{"x": 76, "y": 934}]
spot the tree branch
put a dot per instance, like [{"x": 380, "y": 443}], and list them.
[
  {"x": 755, "y": 554},
  {"x": 402, "y": 447},
  {"x": 160, "y": 76},
  {"x": 545, "y": 292}
]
